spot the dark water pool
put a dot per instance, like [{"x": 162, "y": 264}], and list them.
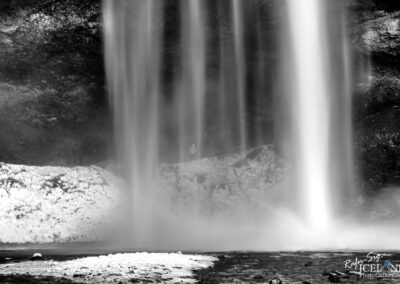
[{"x": 248, "y": 267}]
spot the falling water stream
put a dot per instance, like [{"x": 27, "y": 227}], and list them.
[
  {"x": 147, "y": 120},
  {"x": 320, "y": 102},
  {"x": 310, "y": 95},
  {"x": 168, "y": 117}
]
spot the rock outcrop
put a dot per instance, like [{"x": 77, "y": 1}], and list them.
[{"x": 381, "y": 34}]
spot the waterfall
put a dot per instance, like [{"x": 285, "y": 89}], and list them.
[
  {"x": 310, "y": 105},
  {"x": 240, "y": 69},
  {"x": 192, "y": 80},
  {"x": 183, "y": 94},
  {"x": 133, "y": 71},
  {"x": 153, "y": 124},
  {"x": 318, "y": 70}
]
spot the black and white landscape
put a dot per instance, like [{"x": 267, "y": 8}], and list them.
[{"x": 210, "y": 141}]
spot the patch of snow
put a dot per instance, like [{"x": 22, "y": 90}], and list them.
[
  {"x": 84, "y": 204},
  {"x": 54, "y": 204},
  {"x": 114, "y": 268}
]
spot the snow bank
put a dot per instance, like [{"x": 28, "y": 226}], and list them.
[
  {"x": 60, "y": 204},
  {"x": 117, "y": 268},
  {"x": 54, "y": 204}
]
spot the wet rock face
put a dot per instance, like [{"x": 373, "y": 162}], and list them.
[
  {"x": 376, "y": 47},
  {"x": 382, "y": 35},
  {"x": 53, "y": 106},
  {"x": 288, "y": 267}
]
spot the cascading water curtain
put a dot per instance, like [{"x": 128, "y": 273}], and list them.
[
  {"x": 179, "y": 114},
  {"x": 133, "y": 60},
  {"x": 199, "y": 97},
  {"x": 319, "y": 97}
]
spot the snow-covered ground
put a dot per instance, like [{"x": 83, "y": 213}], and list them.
[
  {"x": 54, "y": 204},
  {"x": 79, "y": 204},
  {"x": 117, "y": 268}
]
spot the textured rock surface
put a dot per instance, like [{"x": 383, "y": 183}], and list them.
[
  {"x": 290, "y": 267},
  {"x": 382, "y": 34},
  {"x": 226, "y": 183}
]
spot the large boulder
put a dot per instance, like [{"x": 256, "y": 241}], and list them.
[{"x": 226, "y": 183}]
